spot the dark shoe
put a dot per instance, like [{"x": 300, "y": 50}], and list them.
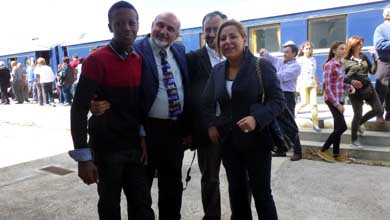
[
  {"x": 296, "y": 157},
  {"x": 279, "y": 154}
]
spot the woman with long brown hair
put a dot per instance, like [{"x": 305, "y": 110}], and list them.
[
  {"x": 334, "y": 87},
  {"x": 242, "y": 128},
  {"x": 357, "y": 66}
]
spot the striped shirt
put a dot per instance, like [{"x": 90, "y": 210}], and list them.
[{"x": 334, "y": 82}]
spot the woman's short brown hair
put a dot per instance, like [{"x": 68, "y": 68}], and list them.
[
  {"x": 351, "y": 44},
  {"x": 237, "y": 24}
]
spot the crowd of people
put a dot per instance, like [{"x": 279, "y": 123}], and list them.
[
  {"x": 37, "y": 83},
  {"x": 150, "y": 101}
]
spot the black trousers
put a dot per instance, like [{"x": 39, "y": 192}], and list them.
[
  {"x": 209, "y": 160},
  {"x": 339, "y": 127},
  {"x": 290, "y": 99},
  {"x": 4, "y": 93},
  {"x": 255, "y": 165},
  {"x": 358, "y": 119},
  {"x": 116, "y": 172},
  {"x": 165, "y": 154}
]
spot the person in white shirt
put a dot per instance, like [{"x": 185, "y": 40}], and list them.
[
  {"x": 45, "y": 78},
  {"x": 308, "y": 82}
]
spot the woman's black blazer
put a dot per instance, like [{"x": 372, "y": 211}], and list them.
[{"x": 245, "y": 101}]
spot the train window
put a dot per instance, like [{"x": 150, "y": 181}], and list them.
[
  {"x": 92, "y": 49},
  {"x": 202, "y": 40},
  {"x": 179, "y": 38},
  {"x": 266, "y": 36},
  {"x": 10, "y": 60},
  {"x": 324, "y": 31}
]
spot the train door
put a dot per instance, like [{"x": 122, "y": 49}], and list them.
[
  {"x": 45, "y": 54},
  {"x": 9, "y": 60}
]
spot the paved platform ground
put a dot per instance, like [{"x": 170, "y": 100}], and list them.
[{"x": 303, "y": 190}]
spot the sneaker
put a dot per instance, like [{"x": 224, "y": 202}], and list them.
[
  {"x": 316, "y": 128},
  {"x": 361, "y": 130},
  {"x": 341, "y": 159},
  {"x": 326, "y": 156},
  {"x": 356, "y": 144}
]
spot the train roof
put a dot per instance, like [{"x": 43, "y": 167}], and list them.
[
  {"x": 321, "y": 8},
  {"x": 23, "y": 48},
  {"x": 317, "y": 9}
]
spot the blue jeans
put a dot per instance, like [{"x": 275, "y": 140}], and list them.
[{"x": 66, "y": 94}]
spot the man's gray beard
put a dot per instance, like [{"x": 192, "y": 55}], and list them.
[{"x": 160, "y": 43}]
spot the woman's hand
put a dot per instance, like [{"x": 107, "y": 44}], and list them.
[
  {"x": 213, "y": 135},
  {"x": 372, "y": 51},
  {"x": 356, "y": 84},
  {"x": 262, "y": 51},
  {"x": 247, "y": 124}
]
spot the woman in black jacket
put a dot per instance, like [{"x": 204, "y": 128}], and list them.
[
  {"x": 357, "y": 67},
  {"x": 242, "y": 128}
]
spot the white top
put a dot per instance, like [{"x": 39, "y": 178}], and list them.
[
  {"x": 229, "y": 84},
  {"x": 45, "y": 73},
  {"x": 307, "y": 78}
]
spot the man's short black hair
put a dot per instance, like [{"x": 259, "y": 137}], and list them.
[
  {"x": 214, "y": 14},
  {"x": 118, "y": 5}
]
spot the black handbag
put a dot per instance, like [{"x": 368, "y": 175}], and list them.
[{"x": 288, "y": 133}]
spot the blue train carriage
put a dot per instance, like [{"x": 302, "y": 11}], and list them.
[
  {"x": 27, "y": 53},
  {"x": 82, "y": 48},
  {"x": 322, "y": 27}
]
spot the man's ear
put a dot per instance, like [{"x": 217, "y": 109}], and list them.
[
  {"x": 177, "y": 35},
  {"x": 109, "y": 27}
]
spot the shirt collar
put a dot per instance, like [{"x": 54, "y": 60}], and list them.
[
  {"x": 290, "y": 61},
  {"x": 211, "y": 51},
  {"x": 156, "y": 48},
  {"x": 337, "y": 62},
  {"x": 122, "y": 54}
]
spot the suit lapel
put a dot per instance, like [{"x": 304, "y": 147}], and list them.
[
  {"x": 220, "y": 84},
  {"x": 149, "y": 57},
  {"x": 205, "y": 61}
]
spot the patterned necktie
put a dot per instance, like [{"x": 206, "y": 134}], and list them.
[{"x": 170, "y": 85}]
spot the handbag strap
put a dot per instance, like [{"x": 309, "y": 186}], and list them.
[{"x": 259, "y": 77}]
